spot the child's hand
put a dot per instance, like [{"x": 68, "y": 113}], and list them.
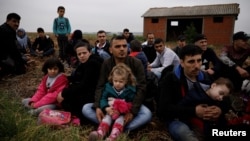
[
  {"x": 109, "y": 110},
  {"x": 32, "y": 104}
]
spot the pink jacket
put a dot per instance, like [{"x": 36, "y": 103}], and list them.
[{"x": 44, "y": 96}]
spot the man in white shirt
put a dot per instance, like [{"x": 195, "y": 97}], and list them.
[{"x": 164, "y": 57}]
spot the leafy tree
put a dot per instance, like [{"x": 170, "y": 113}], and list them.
[{"x": 190, "y": 32}]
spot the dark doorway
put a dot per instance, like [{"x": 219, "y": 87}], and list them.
[{"x": 175, "y": 27}]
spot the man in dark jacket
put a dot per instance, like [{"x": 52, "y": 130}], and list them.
[
  {"x": 102, "y": 46},
  {"x": 208, "y": 57},
  {"x": 177, "y": 83},
  {"x": 128, "y": 35},
  {"x": 233, "y": 57},
  {"x": 148, "y": 47},
  {"x": 10, "y": 58},
  {"x": 43, "y": 45},
  {"x": 139, "y": 114}
]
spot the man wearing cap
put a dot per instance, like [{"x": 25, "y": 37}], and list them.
[
  {"x": 234, "y": 56},
  {"x": 181, "y": 42},
  {"x": 208, "y": 57}
]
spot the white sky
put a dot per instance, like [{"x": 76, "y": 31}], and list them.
[{"x": 109, "y": 15}]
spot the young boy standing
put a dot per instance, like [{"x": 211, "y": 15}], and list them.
[{"x": 61, "y": 29}]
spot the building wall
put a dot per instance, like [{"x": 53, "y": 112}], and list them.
[
  {"x": 219, "y": 33},
  {"x": 159, "y": 29}
]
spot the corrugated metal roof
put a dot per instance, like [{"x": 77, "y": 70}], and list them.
[{"x": 201, "y": 10}]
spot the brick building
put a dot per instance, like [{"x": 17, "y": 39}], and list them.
[{"x": 215, "y": 21}]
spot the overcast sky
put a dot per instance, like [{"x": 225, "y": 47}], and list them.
[{"x": 110, "y": 15}]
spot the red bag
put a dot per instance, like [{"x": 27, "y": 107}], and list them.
[{"x": 54, "y": 117}]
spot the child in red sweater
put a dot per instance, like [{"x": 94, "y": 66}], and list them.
[{"x": 52, "y": 83}]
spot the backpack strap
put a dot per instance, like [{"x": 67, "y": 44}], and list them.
[
  {"x": 55, "y": 22},
  {"x": 67, "y": 22}
]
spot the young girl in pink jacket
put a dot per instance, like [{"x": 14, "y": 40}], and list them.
[{"x": 52, "y": 83}]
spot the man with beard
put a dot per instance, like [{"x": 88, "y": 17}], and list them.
[
  {"x": 139, "y": 114},
  {"x": 186, "y": 80},
  {"x": 11, "y": 61}
]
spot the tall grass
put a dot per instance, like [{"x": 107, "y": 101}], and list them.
[{"x": 17, "y": 124}]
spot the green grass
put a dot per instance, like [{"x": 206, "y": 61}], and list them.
[{"x": 17, "y": 124}]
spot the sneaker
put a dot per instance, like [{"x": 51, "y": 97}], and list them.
[
  {"x": 110, "y": 139},
  {"x": 32, "y": 112},
  {"x": 94, "y": 136},
  {"x": 114, "y": 135}
]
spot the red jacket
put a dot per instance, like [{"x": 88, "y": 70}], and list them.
[{"x": 44, "y": 96}]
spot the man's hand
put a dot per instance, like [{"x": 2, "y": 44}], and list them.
[
  {"x": 210, "y": 71},
  {"x": 212, "y": 113},
  {"x": 208, "y": 112},
  {"x": 243, "y": 73},
  {"x": 200, "y": 110},
  {"x": 128, "y": 117},
  {"x": 99, "y": 114}
]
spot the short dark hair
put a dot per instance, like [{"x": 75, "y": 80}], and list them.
[
  {"x": 181, "y": 38},
  {"x": 52, "y": 62},
  {"x": 190, "y": 50},
  {"x": 149, "y": 33},
  {"x": 198, "y": 37},
  {"x": 39, "y": 30},
  {"x": 118, "y": 37},
  {"x": 60, "y": 7},
  {"x": 125, "y": 30},
  {"x": 82, "y": 43},
  {"x": 135, "y": 45},
  {"x": 13, "y": 16},
  {"x": 77, "y": 34},
  {"x": 101, "y": 31},
  {"x": 240, "y": 35},
  {"x": 158, "y": 40}
]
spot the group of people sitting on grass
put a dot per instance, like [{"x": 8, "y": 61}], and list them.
[
  {"x": 192, "y": 96},
  {"x": 17, "y": 48}
]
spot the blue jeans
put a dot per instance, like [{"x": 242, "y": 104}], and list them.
[
  {"x": 144, "y": 116},
  {"x": 180, "y": 131},
  {"x": 49, "y": 52}
]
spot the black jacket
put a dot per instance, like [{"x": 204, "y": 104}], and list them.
[
  {"x": 82, "y": 85},
  {"x": 8, "y": 47},
  {"x": 43, "y": 44},
  {"x": 172, "y": 89}
]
